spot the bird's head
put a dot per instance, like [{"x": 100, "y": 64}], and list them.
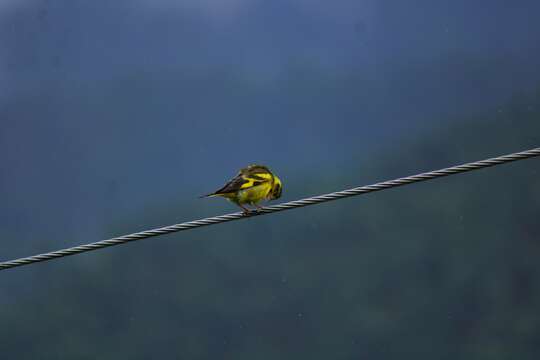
[{"x": 277, "y": 188}]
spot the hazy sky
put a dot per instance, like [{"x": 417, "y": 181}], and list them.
[
  {"x": 115, "y": 115},
  {"x": 318, "y": 82}
]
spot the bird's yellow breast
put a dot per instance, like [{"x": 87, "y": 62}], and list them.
[{"x": 253, "y": 194}]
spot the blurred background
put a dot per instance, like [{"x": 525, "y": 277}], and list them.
[{"x": 116, "y": 115}]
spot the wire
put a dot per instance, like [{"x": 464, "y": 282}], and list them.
[{"x": 271, "y": 209}]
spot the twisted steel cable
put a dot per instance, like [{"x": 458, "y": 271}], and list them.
[{"x": 271, "y": 209}]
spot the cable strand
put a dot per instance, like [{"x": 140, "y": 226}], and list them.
[{"x": 271, "y": 209}]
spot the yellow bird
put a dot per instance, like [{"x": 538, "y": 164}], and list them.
[{"x": 251, "y": 185}]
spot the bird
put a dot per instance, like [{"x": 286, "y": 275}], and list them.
[{"x": 251, "y": 185}]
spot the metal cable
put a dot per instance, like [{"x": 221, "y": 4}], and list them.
[{"x": 270, "y": 209}]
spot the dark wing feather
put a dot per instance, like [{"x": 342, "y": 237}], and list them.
[
  {"x": 246, "y": 178},
  {"x": 233, "y": 185}
]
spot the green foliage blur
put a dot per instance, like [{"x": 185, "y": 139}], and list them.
[{"x": 446, "y": 269}]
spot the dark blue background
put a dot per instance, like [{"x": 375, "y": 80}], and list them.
[{"x": 116, "y": 115}]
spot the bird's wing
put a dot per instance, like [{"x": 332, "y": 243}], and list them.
[{"x": 244, "y": 181}]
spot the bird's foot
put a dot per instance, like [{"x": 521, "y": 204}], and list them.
[{"x": 245, "y": 210}]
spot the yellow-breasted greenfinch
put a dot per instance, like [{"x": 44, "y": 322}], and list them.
[{"x": 251, "y": 185}]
